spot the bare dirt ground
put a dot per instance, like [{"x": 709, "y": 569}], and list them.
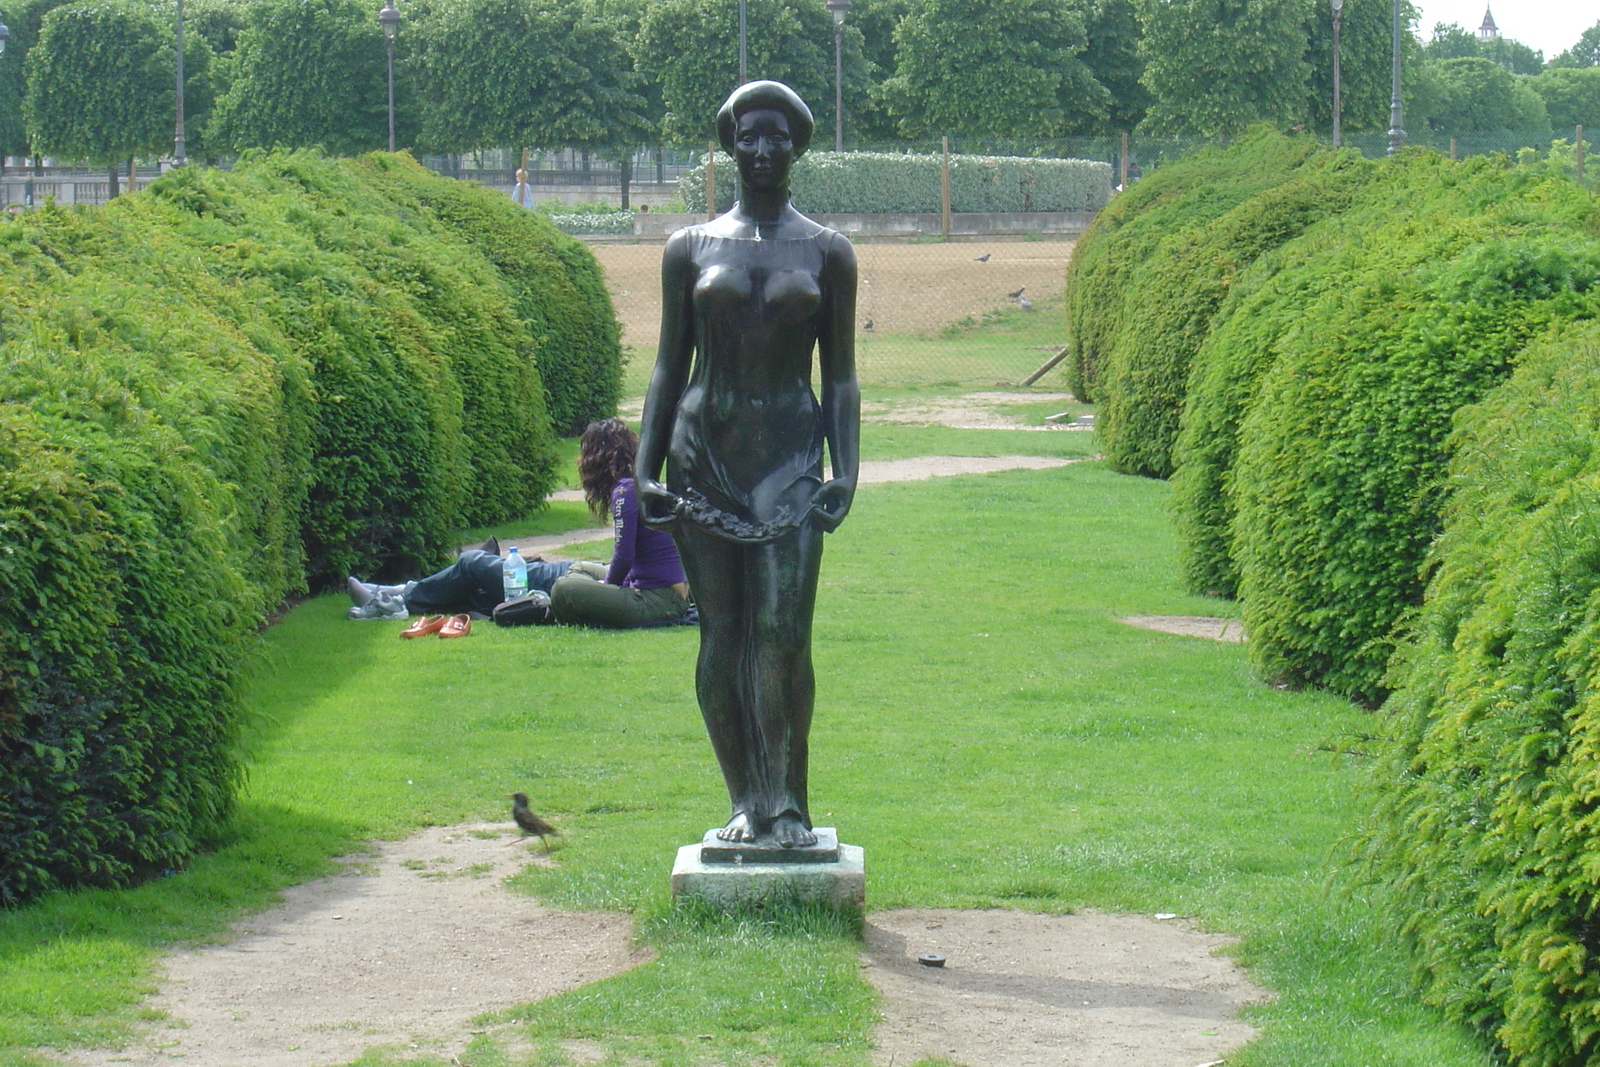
[
  {"x": 1231, "y": 630},
  {"x": 903, "y": 287}
]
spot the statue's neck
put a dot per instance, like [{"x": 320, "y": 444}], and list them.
[{"x": 763, "y": 205}]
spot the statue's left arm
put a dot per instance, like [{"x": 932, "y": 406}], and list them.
[{"x": 841, "y": 395}]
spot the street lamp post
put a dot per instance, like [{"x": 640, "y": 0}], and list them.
[
  {"x": 1338, "y": 10},
  {"x": 1397, "y": 133},
  {"x": 179, "y": 155},
  {"x": 742, "y": 78},
  {"x": 389, "y": 20},
  {"x": 839, "y": 9}
]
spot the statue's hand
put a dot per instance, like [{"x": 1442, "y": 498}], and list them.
[
  {"x": 831, "y": 503},
  {"x": 658, "y": 505}
]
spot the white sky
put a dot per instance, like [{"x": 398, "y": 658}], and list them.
[{"x": 1549, "y": 26}]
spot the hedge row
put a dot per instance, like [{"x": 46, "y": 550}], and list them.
[
  {"x": 1388, "y": 448},
  {"x": 225, "y": 391},
  {"x": 826, "y": 183},
  {"x": 1485, "y": 814}
]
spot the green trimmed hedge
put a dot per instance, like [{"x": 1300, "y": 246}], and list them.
[
  {"x": 1158, "y": 210},
  {"x": 222, "y": 392},
  {"x": 1486, "y": 798},
  {"x": 825, "y": 183}
]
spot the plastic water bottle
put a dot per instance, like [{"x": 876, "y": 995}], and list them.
[{"x": 514, "y": 573}]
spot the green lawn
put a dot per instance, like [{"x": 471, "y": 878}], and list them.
[{"x": 985, "y": 728}]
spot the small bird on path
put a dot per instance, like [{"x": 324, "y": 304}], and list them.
[
  {"x": 983, "y": 258},
  {"x": 528, "y": 821},
  {"x": 1024, "y": 303},
  {"x": 1018, "y": 294},
  {"x": 867, "y": 325}
]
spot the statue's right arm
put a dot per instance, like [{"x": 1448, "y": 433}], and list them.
[{"x": 673, "y": 357}]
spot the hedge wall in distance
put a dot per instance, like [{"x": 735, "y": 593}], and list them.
[
  {"x": 226, "y": 390},
  {"x": 1133, "y": 227},
  {"x": 824, "y": 183},
  {"x": 1485, "y": 814}
]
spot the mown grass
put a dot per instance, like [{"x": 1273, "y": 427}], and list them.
[{"x": 986, "y": 729}]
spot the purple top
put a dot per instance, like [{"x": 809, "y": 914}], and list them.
[{"x": 641, "y": 558}]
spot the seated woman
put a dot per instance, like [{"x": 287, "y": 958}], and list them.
[
  {"x": 645, "y": 584},
  {"x": 472, "y": 584}
]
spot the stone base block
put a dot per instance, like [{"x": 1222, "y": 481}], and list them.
[{"x": 842, "y": 883}]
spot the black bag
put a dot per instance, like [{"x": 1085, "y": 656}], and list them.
[{"x": 533, "y": 609}]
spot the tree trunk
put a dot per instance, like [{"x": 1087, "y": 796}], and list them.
[
  {"x": 112, "y": 194},
  {"x": 626, "y": 165}
]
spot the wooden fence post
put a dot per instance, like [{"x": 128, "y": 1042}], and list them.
[
  {"x": 944, "y": 188},
  {"x": 1577, "y": 151},
  {"x": 711, "y": 180},
  {"x": 1122, "y": 165},
  {"x": 1452, "y": 148}
]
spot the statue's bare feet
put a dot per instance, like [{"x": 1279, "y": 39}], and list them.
[
  {"x": 742, "y": 827},
  {"x": 790, "y": 831}
]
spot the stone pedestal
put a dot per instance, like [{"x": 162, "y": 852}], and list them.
[{"x": 738, "y": 875}]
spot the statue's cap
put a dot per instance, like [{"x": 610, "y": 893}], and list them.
[{"x": 766, "y": 95}]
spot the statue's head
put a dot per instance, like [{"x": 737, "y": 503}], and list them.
[{"x": 765, "y": 96}]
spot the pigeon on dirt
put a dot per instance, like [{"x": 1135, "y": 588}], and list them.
[
  {"x": 1024, "y": 303},
  {"x": 530, "y": 823},
  {"x": 983, "y": 258},
  {"x": 867, "y": 325},
  {"x": 1018, "y": 294}
]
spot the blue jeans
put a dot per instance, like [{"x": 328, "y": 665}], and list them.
[{"x": 474, "y": 583}]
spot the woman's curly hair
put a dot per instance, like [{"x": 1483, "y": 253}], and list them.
[{"x": 605, "y": 456}]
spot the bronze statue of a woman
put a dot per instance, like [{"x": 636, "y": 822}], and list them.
[{"x": 730, "y": 412}]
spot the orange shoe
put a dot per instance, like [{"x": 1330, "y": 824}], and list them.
[
  {"x": 456, "y": 626},
  {"x": 428, "y": 624}
]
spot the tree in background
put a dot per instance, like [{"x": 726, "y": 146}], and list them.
[
  {"x": 101, "y": 82},
  {"x": 1473, "y": 93},
  {"x": 546, "y": 75},
  {"x": 1366, "y": 44},
  {"x": 22, "y": 19},
  {"x": 691, "y": 49},
  {"x": 1114, "y": 60},
  {"x": 307, "y": 72},
  {"x": 1586, "y": 53},
  {"x": 875, "y": 20},
  {"x": 1009, "y": 68},
  {"x": 1216, "y": 66},
  {"x": 1571, "y": 97}
]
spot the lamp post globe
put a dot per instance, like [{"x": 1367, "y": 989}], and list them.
[
  {"x": 5, "y": 35},
  {"x": 838, "y": 9}
]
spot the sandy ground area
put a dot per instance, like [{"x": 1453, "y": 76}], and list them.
[
  {"x": 903, "y": 288},
  {"x": 1216, "y": 629},
  {"x": 403, "y": 949}
]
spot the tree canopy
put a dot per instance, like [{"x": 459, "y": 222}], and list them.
[
  {"x": 1009, "y": 68},
  {"x": 1473, "y": 93},
  {"x": 1571, "y": 96},
  {"x": 1585, "y": 53}
]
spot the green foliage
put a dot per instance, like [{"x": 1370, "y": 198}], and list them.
[
  {"x": 218, "y": 394},
  {"x": 592, "y": 222},
  {"x": 844, "y": 182},
  {"x": 1571, "y": 96},
  {"x": 1364, "y": 71},
  {"x": 306, "y": 73},
  {"x": 1473, "y": 93},
  {"x": 1217, "y": 66},
  {"x": 1485, "y": 801},
  {"x": 1170, "y": 298},
  {"x": 1005, "y": 68},
  {"x": 1131, "y": 229},
  {"x": 1113, "y": 58},
  {"x": 555, "y": 286},
  {"x": 1584, "y": 53},
  {"x": 545, "y": 75},
  {"x": 101, "y": 81},
  {"x": 690, "y": 49}
]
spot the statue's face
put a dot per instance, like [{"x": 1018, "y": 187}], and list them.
[{"x": 763, "y": 149}]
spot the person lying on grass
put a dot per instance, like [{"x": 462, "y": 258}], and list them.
[{"x": 643, "y": 585}]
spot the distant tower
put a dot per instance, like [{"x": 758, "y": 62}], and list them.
[{"x": 1488, "y": 31}]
